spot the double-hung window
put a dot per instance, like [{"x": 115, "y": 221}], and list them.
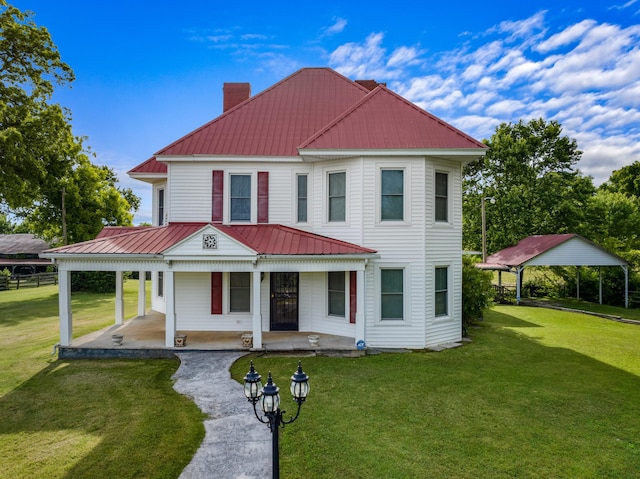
[
  {"x": 302, "y": 198},
  {"x": 161, "y": 207},
  {"x": 239, "y": 292},
  {"x": 391, "y": 294},
  {"x": 442, "y": 197},
  {"x": 337, "y": 196},
  {"x": 442, "y": 291},
  {"x": 336, "y": 293},
  {"x": 240, "y": 198},
  {"x": 392, "y": 199}
]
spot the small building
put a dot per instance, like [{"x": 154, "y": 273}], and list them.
[
  {"x": 555, "y": 250},
  {"x": 20, "y": 254}
]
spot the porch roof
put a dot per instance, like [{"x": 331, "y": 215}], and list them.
[{"x": 263, "y": 239}]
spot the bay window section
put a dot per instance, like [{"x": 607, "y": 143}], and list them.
[
  {"x": 392, "y": 191},
  {"x": 391, "y": 294},
  {"x": 302, "y": 198},
  {"x": 337, "y": 196},
  {"x": 442, "y": 293}
]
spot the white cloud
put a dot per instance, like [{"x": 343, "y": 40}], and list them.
[
  {"x": 585, "y": 75},
  {"x": 338, "y": 27}
]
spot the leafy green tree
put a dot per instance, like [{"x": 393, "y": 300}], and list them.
[
  {"x": 40, "y": 158},
  {"x": 529, "y": 170},
  {"x": 626, "y": 180}
]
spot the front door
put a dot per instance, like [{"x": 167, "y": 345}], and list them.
[{"x": 284, "y": 301}]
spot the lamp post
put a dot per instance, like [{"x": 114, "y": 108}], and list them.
[
  {"x": 492, "y": 200},
  {"x": 269, "y": 398}
]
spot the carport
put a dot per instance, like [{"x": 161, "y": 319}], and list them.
[{"x": 556, "y": 250}]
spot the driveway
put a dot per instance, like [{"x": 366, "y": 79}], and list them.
[{"x": 236, "y": 445}]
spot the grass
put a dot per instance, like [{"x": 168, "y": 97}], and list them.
[
  {"x": 85, "y": 419},
  {"x": 538, "y": 393}
]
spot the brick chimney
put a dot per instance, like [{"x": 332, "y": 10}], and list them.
[
  {"x": 369, "y": 84},
  {"x": 234, "y": 94}
]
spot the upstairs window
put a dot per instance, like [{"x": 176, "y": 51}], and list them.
[
  {"x": 392, "y": 200},
  {"x": 337, "y": 196},
  {"x": 442, "y": 197},
  {"x": 240, "y": 198},
  {"x": 302, "y": 198},
  {"x": 161, "y": 207}
]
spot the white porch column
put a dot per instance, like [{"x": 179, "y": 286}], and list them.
[
  {"x": 360, "y": 315},
  {"x": 119, "y": 298},
  {"x": 257, "y": 316},
  {"x": 170, "y": 315},
  {"x": 142, "y": 293},
  {"x": 64, "y": 305}
]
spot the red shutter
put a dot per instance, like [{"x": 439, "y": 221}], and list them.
[
  {"x": 263, "y": 196},
  {"x": 217, "y": 186},
  {"x": 353, "y": 296},
  {"x": 216, "y": 292}
]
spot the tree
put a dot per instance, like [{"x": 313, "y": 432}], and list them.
[
  {"x": 36, "y": 141},
  {"x": 529, "y": 170},
  {"x": 477, "y": 292},
  {"x": 40, "y": 159},
  {"x": 626, "y": 180}
]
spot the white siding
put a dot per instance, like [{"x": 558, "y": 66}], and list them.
[{"x": 578, "y": 252}]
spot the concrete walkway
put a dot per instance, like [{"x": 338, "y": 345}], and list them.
[{"x": 236, "y": 444}]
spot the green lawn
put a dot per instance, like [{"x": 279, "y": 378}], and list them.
[
  {"x": 85, "y": 419},
  {"x": 538, "y": 394}
]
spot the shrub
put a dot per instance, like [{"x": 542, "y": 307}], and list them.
[
  {"x": 477, "y": 292},
  {"x": 95, "y": 281}
]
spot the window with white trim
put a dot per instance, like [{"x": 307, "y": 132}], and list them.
[
  {"x": 391, "y": 294},
  {"x": 441, "y": 291},
  {"x": 302, "y": 184},
  {"x": 239, "y": 292},
  {"x": 442, "y": 197},
  {"x": 337, "y": 196},
  {"x": 392, "y": 195},
  {"x": 240, "y": 198},
  {"x": 160, "y": 284},
  {"x": 336, "y": 293},
  {"x": 161, "y": 207}
]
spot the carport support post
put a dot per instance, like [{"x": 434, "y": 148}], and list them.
[
  {"x": 142, "y": 293},
  {"x": 64, "y": 305},
  {"x": 119, "y": 298}
]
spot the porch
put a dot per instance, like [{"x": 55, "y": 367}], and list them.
[{"x": 144, "y": 337}]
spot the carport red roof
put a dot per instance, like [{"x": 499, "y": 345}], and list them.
[
  {"x": 268, "y": 239},
  {"x": 527, "y": 249}
]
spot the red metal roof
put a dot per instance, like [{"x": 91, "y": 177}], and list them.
[
  {"x": 152, "y": 240},
  {"x": 275, "y": 121},
  {"x": 270, "y": 239},
  {"x": 315, "y": 108},
  {"x": 282, "y": 240},
  {"x": 118, "y": 230},
  {"x": 527, "y": 249},
  {"x": 385, "y": 120},
  {"x": 151, "y": 166}
]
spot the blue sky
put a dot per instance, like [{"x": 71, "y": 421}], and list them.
[{"x": 149, "y": 72}]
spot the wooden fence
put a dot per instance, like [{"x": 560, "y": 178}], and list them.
[{"x": 27, "y": 280}]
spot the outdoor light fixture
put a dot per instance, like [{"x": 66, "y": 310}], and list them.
[{"x": 269, "y": 398}]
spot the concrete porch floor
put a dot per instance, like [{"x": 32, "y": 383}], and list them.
[{"x": 144, "y": 338}]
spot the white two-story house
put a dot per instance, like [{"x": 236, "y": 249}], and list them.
[{"x": 321, "y": 204}]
